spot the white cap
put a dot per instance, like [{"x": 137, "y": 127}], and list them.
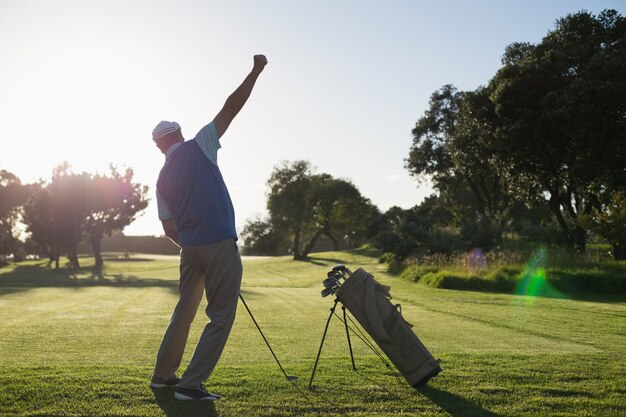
[{"x": 164, "y": 128}]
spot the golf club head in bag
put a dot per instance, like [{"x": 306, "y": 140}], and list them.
[
  {"x": 338, "y": 268},
  {"x": 328, "y": 291},
  {"x": 331, "y": 282}
]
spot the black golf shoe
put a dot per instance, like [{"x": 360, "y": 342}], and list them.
[{"x": 195, "y": 394}]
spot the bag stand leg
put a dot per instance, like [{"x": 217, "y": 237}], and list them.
[
  {"x": 345, "y": 322},
  {"x": 319, "y": 352}
]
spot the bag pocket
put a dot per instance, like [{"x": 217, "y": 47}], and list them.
[{"x": 404, "y": 350}]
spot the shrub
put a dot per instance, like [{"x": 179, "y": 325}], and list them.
[
  {"x": 395, "y": 265},
  {"x": 562, "y": 273},
  {"x": 416, "y": 273}
]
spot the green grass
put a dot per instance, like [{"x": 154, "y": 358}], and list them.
[{"x": 83, "y": 344}]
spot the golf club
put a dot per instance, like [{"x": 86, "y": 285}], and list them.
[
  {"x": 331, "y": 282},
  {"x": 290, "y": 378},
  {"x": 328, "y": 291}
]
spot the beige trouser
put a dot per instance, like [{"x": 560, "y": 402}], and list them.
[{"x": 215, "y": 270}]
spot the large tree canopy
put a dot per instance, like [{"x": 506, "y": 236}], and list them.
[
  {"x": 452, "y": 145},
  {"x": 549, "y": 127},
  {"x": 562, "y": 111},
  {"x": 59, "y": 212},
  {"x": 303, "y": 206},
  {"x": 113, "y": 202},
  {"x": 288, "y": 201}
]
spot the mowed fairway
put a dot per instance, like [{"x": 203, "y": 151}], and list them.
[{"x": 78, "y": 344}]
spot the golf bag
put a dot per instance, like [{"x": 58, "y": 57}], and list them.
[{"x": 368, "y": 301}]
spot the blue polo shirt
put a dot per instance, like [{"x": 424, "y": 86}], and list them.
[{"x": 191, "y": 190}]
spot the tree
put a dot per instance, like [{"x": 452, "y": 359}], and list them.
[
  {"x": 261, "y": 237},
  {"x": 54, "y": 214},
  {"x": 610, "y": 223},
  {"x": 59, "y": 212},
  {"x": 549, "y": 126},
  {"x": 396, "y": 232},
  {"x": 37, "y": 215},
  {"x": 335, "y": 206},
  {"x": 68, "y": 193},
  {"x": 13, "y": 194},
  {"x": 287, "y": 201},
  {"x": 304, "y": 206},
  {"x": 452, "y": 146},
  {"x": 112, "y": 202},
  {"x": 430, "y": 155},
  {"x": 354, "y": 219},
  {"x": 562, "y": 105},
  {"x": 423, "y": 229}
]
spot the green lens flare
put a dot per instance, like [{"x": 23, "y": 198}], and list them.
[{"x": 533, "y": 281}]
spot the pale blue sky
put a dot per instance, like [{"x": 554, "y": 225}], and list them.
[{"x": 86, "y": 81}]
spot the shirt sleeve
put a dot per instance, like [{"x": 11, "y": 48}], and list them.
[
  {"x": 164, "y": 211},
  {"x": 208, "y": 141}
]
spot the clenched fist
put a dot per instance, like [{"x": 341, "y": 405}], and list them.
[{"x": 260, "y": 62}]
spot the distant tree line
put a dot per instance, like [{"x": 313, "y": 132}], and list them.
[
  {"x": 122, "y": 245},
  {"x": 538, "y": 153},
  {"x": 71, "y": 207}
]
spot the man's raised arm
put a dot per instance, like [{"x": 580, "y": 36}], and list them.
[{"x": 238, "y": 98}]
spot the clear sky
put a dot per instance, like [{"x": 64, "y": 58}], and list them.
[{"x": 86, "y": 81}]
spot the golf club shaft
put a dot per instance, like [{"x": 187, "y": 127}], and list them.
[
  {"x": 273, "y": 354},
  {"x": 264, "y": 338}
]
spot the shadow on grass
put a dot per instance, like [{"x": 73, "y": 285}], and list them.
[
  {"x": 26, "y": 277},
  {"x": 319, "y": 258},
  {"x": 133, "y": 259},
  {"x": 175, "y": 408},
  {"x": 453, "y": 404},
  {"x": 322, "y": 261},
  {"x": 378, "y": 384}
]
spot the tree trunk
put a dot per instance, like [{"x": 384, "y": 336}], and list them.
[
  {"x": 479, "y": 199},
  {"x": 333, "y": 239},
  {"x": 619, "y": 251},
  {"x": 296, "y": 246},
  {"x": 490, "y": 210},
  {"x": 54, "y": 256},
  {"x": 580, "y": 239},
  {"x": 73, "y": 257},
  {"x": 579, "y": 235},
  {"x": 555, "y": 207},
  {"x": 96, "y": 246},
  {"x": 309, "y": 247}
]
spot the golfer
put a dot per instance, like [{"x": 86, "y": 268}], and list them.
[{"x": 197, "y": 214}]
